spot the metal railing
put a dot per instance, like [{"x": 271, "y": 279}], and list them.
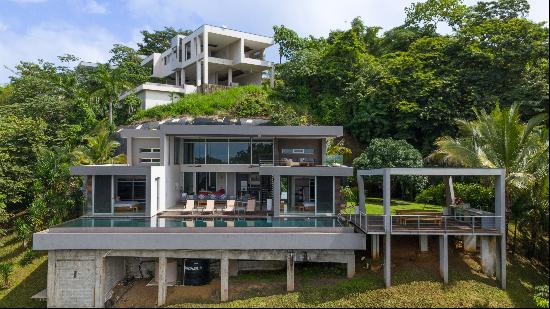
[
  {"x": 424, "y": 223},
  {"x": 441, "y": 223}
]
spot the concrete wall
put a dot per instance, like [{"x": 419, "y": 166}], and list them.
[
  {"x": 114, "y": 273},
  {"x": 172, "y": 185},
  {"x": 155, "y": 98},
  {"x": 138, "y": 143},
  {"x": 157, "y": 190},
  {"x": 248, "y": 79}
]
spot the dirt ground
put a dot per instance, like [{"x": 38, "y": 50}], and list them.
[{"x": 405, "y": 257}]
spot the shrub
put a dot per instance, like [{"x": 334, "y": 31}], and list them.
[
  {"x": 350, "y": 195},
  {"x": 475, "y": 194},
  {"x": 27, "y": 257},
  {"x": 541, "y": 296},
  {"x": 387, "y": 152},
  {"x": 6, "y": 270}
]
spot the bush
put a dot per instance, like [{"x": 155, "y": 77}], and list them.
[
  {"x": 6, "y": 270},
  {"x": 350, "y": 195},
  {"x": 27, "y": 257},
  {"x": 541, "y": 296},
  {"x": 387, "y": 152},
  {"x": 477, "y": 195}
]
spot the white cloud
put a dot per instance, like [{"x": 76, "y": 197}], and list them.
[
  {"x": 93, "y": 7},
  {"x": 47, "y": 41}
]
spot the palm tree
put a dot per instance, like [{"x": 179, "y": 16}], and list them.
[
  {"x": 112, "y": 83},
  {"x": 99, "y": 148},
  {"x": 500, "y": 140}
]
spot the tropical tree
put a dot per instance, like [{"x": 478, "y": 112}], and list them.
[
  {"x": 112, "y": 82},
  {"x": 500, "y": 140},
  {"x": 99, "y": 148},
  {"x": 159, "y": 40}
]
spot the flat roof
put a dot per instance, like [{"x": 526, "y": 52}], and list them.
[{"x": 434, "y": 171}]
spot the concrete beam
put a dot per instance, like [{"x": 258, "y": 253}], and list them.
[
  {"x": 423, "y": 243},
  {"x": 375, "y": 246},
  {"x": 290, "y": 272},
  {"x": 162, "y": 287},
  {"x": 351, "y": 266},
  {"x": 224, "y": 278},
  {"x": 470, "y": 243},
  {"x": 444, "y": 258}
]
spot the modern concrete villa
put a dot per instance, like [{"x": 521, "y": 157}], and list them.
[
  {"x": 234, "y": 192},
  {"x": 210, "y": 58}
]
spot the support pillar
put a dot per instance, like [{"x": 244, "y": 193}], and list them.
[
  {"x": 423, "y": 243},
  {"x": 276, "y": 195},
  {"x": 205, "y": 57},
  {"x": 361, "y": 189},
  {"x": 229, "y": 76},
  {"x": 129, "y": 145},
  {"x": 224, "y": 278},
  {"x": 375, "y": 246},
  {"x": 161, "y": 300},
  {"x": 351, "y": 266},
  {"x": 488, "y": 255},
  {"x": 290, "y": 272},
  {"x": 99, "y": 295},
  {"x": 470, "y": 243},
  {"x": 51, "y": 279},
  {"x": 386, "y": 183},
  {"x": 444, "y": 257},
  {"x": 198, "y": 73},
  {"x": 182, "y": 78}
]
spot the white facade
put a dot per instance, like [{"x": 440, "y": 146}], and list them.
[{"x": 209, "y": 56}]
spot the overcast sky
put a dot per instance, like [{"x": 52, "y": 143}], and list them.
[{"x": 44, "y": 29}]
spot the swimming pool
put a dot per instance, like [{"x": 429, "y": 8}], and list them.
[{"x": 286, "y": 222}]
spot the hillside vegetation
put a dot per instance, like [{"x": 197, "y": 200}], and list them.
[{"x": 238, "y": 102}]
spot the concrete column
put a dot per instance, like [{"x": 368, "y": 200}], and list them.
[
  {"x": 387, "y": 260},
  {"x": 375, "y": 246},
  {"x": 387, "y": 225},
  {"x": 361, "y": 190},
  {"x": 276, "y": 195},
  {"x": 224, "y": 278},
  {"x": 205, "y": 61},
  {"x": 423, "y": 243},
  {"x": 99, "y": 291},
  {"x": 177, "y": 78},
  {"x": 488, "y": 255},
  {"x": 129, "y": 142},
  {"x": 162, "y": 288},
  {"x": 470, "y": 243},
  {"x": 449, "y": 191},
  {"x": 444, "y": 257},
  {"x": 290, "y": 272},
  {"x": 351, "y": 266},
  {"x": 500, "y": 210},
  {"x": 502, "y": 263},
  {"x": 198, "y": 73},
  {"x": 51, "y": 279},
  {"x": 164, "y": 150},
  {"x": 229, "y": 76}
]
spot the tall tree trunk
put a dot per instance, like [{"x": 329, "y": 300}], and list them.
[
  {"x": 111, "y": 110},
  {"x": 515, "y": 235}
]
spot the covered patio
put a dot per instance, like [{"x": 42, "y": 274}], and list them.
[{"x": 455, "y": 220}]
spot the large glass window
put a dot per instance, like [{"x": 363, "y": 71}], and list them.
[
  {"x": 325, "y": 196},
  {"x": 262, "y": 151},
  {"x": 130, "y": 188},
  {"x": 239, "y": 152},
  {"x": 216, "y": 152},
  {"x": 188, "y": 183},
  {"x": 194, "y": 152},
  {"x": 206, "y": 182}
]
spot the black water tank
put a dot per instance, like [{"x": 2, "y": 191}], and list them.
[{"x": 196, "y": 272}]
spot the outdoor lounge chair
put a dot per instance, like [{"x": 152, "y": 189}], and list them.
[
  {"x": 251, "y": 206},
  {"x": 220, "y": 223},
  {"x": 230, "y": 206},
  {"x": 241, "y": 223},
  {"x": 209, "y": 207},
  {"x": 189, "y": 206},
  {"x": 200, "y": 223}
]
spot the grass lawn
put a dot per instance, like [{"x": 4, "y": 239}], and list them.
[
  {"x": 374, "y": 206},
  {"x": 411, "y": 287},
  {"x": 25, "y": 281}
]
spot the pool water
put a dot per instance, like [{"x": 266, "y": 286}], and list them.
[{"x": 198, "y": 223}]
